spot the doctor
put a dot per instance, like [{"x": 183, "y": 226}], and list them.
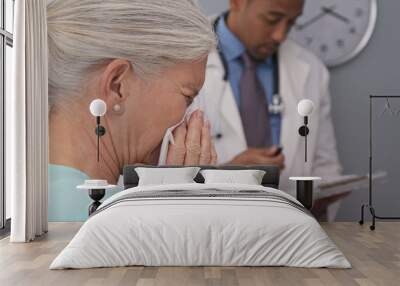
[{"x": 253, "y": 84}]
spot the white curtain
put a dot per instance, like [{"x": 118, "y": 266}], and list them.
[{"x": 27, "y": 123}]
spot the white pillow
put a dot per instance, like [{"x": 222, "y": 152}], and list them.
[
  {"x": 162, "y": 176},
  {"x": 248, "y": 177}
]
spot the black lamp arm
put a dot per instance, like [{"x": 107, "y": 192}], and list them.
[
  {"x": 100, "y": 131},
  {"x": 304, "y": 131}
]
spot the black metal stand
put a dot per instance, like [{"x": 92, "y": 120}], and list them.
[
  {"x": 304, "y": 193},
  {"x": 370, "y": 205},
  {"x": 96, "y": 195}
]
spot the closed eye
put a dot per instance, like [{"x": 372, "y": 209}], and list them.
[
  {"x": 190, "y": 97},
  {"x": 271, "y": 19},
  {"x": 189, "y": 92},
  {"x": 189, "y": 100}
]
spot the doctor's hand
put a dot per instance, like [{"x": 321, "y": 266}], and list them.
[
  {"x": 260, "y": 156},
  {"x": 193, "y": 143}
]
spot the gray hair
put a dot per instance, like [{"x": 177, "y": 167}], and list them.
[{"x": 151, "y": 34}]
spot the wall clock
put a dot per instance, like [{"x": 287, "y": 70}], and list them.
[{"x": 335, "y": 30}]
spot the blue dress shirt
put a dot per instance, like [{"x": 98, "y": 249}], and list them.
[{"x": 232, "y": 49}]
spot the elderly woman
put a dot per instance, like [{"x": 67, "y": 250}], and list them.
[{"x": 146, "y": 60}]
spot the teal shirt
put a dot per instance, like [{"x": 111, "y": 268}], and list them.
[{"x": 65, "y": 201}]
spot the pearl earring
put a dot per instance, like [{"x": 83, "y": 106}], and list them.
[{"x": 117, "y": 107}]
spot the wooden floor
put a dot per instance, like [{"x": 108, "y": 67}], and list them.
[{"x": 375, "y": 257}]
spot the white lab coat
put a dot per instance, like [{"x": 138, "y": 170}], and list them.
[{"x": 302, "y": 75}]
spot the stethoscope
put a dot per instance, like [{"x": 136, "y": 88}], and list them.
[{"x": 276, "y": 107}]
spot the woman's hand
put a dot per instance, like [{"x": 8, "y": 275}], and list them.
[{"x": 193, "y": 144}]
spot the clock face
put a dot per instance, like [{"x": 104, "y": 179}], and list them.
[{"x": 335, "y": 30}]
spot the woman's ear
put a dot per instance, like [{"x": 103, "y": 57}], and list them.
[{"x": 113, "y": 81}]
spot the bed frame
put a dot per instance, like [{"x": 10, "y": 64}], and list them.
[{"x": 270, "y": 179}]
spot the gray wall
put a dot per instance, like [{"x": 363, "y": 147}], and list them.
[{"x": 374, "y": 71}]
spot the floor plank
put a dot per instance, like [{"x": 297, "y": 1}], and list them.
[{"x": 375, "y": 257}]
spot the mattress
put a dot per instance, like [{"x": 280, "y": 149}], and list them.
[{"x": 201, "y": 225}]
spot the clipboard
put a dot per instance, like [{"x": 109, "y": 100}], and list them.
[{"x": 343, "y": 184}]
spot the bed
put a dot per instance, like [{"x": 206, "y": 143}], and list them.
[{"x": 201, "y": 224}]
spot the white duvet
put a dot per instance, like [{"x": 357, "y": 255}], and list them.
[{"x": 201, "y": 231}]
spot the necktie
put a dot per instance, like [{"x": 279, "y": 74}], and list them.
[{"x": 253, "y": 106}]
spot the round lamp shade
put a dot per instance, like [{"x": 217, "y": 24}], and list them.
[
  {"x": 305, "y": 107},
  {"x": 98, "y": 107}
]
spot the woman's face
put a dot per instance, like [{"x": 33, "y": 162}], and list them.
[{"x": 150, "y": 106}]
